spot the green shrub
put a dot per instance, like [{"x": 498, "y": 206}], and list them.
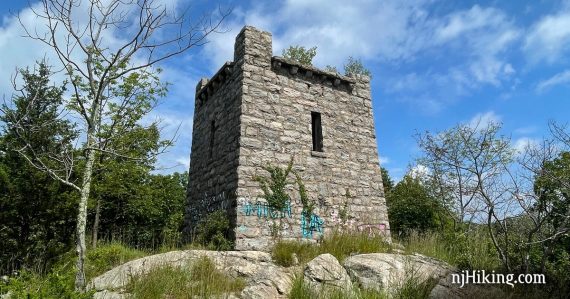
[
  {"x": 200, "y": 279},
  {"x": 213, "y": 231},
  {"x": 59, "y": 283}
]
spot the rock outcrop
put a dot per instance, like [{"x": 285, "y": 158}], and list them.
[
  {"x": 385, "y": 271},
  {"x": 325, "y": 271},
  {"x": 264, "y": 279}
]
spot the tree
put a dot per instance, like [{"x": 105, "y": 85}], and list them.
[
  {"x": 36, "y": 213},
  {"x": 355, "y": 67},
  {"x": 386, "y": 180},
  {"x": 411, "y": 207},
  {"x": 112, "y": 85},
  {"x": 300, "y": 54},
  {"x": 468, "y": 164}
]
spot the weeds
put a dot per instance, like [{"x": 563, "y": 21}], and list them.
[
  {"x": 199, "y": 279},
  {"x": 339, "y": 244}
]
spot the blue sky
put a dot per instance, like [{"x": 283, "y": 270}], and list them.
[{"x": 434, "y": 63}]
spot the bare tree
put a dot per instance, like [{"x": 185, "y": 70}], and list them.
[
  {"x": 467, "y": 164},
  {"x": 542, "y": 190},
  {"x": 523, "y": 198},
  {"x": 108, "y": 73}
]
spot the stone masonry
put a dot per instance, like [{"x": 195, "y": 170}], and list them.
[{"x": 260, "y": 110}]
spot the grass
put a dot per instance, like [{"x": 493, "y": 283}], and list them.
[
  {"x": 107, "y": 256},
  {"x": 200, "y": 279},
  {"x": 339, "y": 244},
  {"x": 412, "y": 287},
  {"x": 466, "y": 251}
]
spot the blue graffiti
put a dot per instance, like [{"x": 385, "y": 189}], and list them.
[
  {"x": 262, "y": 209},
  {"x": 315, "y": 224}
]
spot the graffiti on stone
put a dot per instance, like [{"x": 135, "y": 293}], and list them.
[
  {"x": 315, "y": 224},
  {"x": 263, "y": 210},
  {"x": 210, "y": 203}
]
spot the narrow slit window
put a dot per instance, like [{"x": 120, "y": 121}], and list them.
[
  {"x": 317, "y": 131},
  {"x": 212, "y": 137}
]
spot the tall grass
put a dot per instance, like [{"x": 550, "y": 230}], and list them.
[
  {"x": 411, "y": 287},
  {"x": 107, "y": 256},
  {"x": 467, "y": 251},
  {"x": 339, "y": 244},
  {"x": 200, "y": 279}
]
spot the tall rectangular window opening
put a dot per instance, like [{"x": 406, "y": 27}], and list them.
[{"x": 317, "y": 131}]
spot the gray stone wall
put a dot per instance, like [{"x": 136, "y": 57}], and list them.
[{"x": 265, "y": 106}]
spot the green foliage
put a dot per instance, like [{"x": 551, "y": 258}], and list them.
[
  {"x": 213, "y": 231},
  {"x": 300, "y": 54},
  {"x": 282, "y": 252},
  {"x": 472, "y": 250},
  {"x": 273, "y": 188},
  {"x": 386, "y": 181},
  {"x": 107, "y": 256},
  {"x": 339, "y": 244},
  {"x": 412, "y": 207},
  {"x": 138, "y": 208},
  {"x": 306, "y": 202},
  {"x": 553, "y": 186},
  {"x": 200, "y": 279},
  {"x": 58, "y": 283},
  {"x": 343, "y": 213},
  {"x": 36, "y": 213},
  {"x": 355, "y": 67}
]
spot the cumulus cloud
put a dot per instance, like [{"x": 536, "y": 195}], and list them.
[{"x": 562, "y": 78}]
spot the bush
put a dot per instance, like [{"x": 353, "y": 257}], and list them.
[
  {"x": 213, "y": 231},
  {"x": 200, "y": 279},
  {"x": 59, "y": 283}
]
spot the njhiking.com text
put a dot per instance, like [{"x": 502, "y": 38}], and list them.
[{"x": 484, "y": 277}]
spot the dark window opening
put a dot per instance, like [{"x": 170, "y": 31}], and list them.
[
  {"x": 212, "y": 137},
  {"x": 317, "y": 131}
]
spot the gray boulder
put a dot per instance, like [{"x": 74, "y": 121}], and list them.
[
  {"x": 325, "y": 271},
  {"x": 256, "y": 268},
  {"x": 385, "y": 271},
  {"x": 445, "y": 289}
]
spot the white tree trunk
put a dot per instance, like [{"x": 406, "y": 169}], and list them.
[{"x": 80, "y": 281}]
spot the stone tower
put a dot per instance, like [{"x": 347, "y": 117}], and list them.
[{"x": 264, "y": 110}]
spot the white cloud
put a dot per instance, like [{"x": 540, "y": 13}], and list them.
[
  {"x": 558, "y": 79},
  {"x": 521, "y": 144},
  {"x": 482, "y": 120},
  {"x": 383, "y": 160},
  {"x": 419, "y": 171},
  {"x": 549, "y": 38}
]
